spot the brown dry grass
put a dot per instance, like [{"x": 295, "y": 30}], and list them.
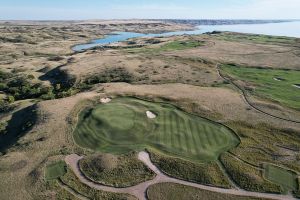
[
  {"x": 146, "y": 69},
  {"x": 227, "y": 103},
  {"x": 245, "y": 53}
]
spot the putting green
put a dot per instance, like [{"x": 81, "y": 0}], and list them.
[
  {"x": 283, "y": 177},
  {"x": 55, "y": 170},
  {"x": 122, "y": 126}
]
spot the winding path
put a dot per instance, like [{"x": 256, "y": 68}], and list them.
[
  {"x": 248, "y": 101},
  {"x": 140, "y": 190}
]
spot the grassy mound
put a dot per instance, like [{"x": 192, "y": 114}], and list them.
[
  {"x": 190, "y": 171},
  {"x": 122, "y": 126},
  {"x": 55, "y": 170},
  {"x": 283, "y": 177},
  {"x": 276, "y": 85},
  {"x": 166, "y": 191},
  {"x": 117, "y": 171}
]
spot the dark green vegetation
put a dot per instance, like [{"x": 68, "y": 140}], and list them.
[
  {"x": 70, "y": 181},
  {"x": 122, "y": 126},
  {"x": 118, "y": 171},
  {"x": 111, "y": 75},
  {"x": 180, "y": 45},
  {"x": 190, "y": 171},
  {"x": 20, "y": 86},
  {"x": 246, "y": 176},
  {"x": 297, "y": 193},
  {"x": 19, "y": 124},
  {"x": 170, "y": 46},
  {"x": 275, "y": 85},
  {"x": 55, "y": 170},
  {"x": 283, "y": 177},
  {"x": 167, "y": 191}
]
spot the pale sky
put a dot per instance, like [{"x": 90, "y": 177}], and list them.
[{"x": 151, "y": 9}]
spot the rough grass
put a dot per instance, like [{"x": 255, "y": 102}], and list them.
[
  {"x": 55, "y": 170},
  {"x": 122, "y": 126},
  {"x": 285, "y": 178},
  {"x": 263, "y": 81},
  {"x": 247, "y": 176},
  {"x": 118, "y": 171},
  {"x": 167, "y": 191},
  {"x": 193, "y": 172},
  {"x": 72, "y": 181},
  {"x": 297, "y": 193}
]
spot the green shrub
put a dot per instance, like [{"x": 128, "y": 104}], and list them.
[
  {"x": 111, "y": 75},
  {"x": 11, "y": 99}
]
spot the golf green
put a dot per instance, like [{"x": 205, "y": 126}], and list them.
[
  {"x": 55, "y": 170},
  {"x": 284, "y": 177},
  {"x": 122, "y": 125}
]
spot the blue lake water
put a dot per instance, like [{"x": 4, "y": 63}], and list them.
[{"x": 290, "y": 29}]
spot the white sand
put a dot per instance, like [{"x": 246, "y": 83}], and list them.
[
  {"x": 150, "y": 115},
  {"x": 105, "y": 100},
  {"x": 297, "y": 86}
]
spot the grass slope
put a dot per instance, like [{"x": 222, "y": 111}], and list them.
[
  {"x": 264, "y": 81},
  {"x": 122, "y": 126},
  {"x": 55, "y": 170},
  {"x": 166, "y": 191},
  {"x": 190, "y": 171}
]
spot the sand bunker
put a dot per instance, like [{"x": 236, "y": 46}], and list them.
[
  {"x": 278, "y": 79},
  {"x": 297, "y": 86},
  {"x": 105, "y": 100},
  {"x": 150, "y": 115}
]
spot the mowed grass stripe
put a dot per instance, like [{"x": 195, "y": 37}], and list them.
[
  {"x": 198, "y": 139},
  {"x": 191, "y": 141},
  {"x": 163, "y": 134},
  {"x": 178, "y": 133},
  {"x": 202, "y": 136},
  {"x": 186, "y": 136},
  {"x": 172, "y": 121},
  {"x": 193, "y": 133},
  {"x": 207, "y": 134}
]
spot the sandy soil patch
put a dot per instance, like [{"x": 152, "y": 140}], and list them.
[{"x": 105, "y": 100}]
